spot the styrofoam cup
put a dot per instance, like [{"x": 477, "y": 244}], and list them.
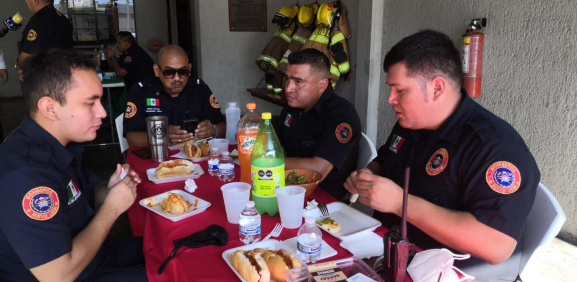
[
  {"x": 291, "y": 201},
  {"x": 235, "y": 195}
]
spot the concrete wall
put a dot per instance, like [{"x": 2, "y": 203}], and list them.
[
  {"x": 9, "y": 47},
  {"x": 529, "y": 75},
  {"x": 151, "y": 22}
]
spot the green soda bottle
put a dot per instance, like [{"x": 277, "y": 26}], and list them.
[{"x": 267, "y": 168}]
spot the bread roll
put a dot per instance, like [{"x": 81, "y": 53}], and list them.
[
  {"x": 204, "y": 148},
  {"x": 191, "y": 151},
  {"x": 174, "y": 168},
  {"x": 251, "y": 266},
  {"x": 278, "y": 262}
]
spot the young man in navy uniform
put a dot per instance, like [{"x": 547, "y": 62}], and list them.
[
  {"x": 171, "y": 93},
  {"x": 48, "y": 28},
  {"x": 472, "y": 179},
  {"x": 48, "y": 229},
  {"x": 318, "y": 130},
  {"x": 134, "y": 64}
]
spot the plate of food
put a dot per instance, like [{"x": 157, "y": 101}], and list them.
[
  {"x": 174, "y": 170},
  {"x": 180, "y": 145},
  {"x": 175, "y": 205},
  {"x": 343, "y": 221}
]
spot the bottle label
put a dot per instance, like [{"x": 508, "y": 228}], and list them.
[
  {"x": 249, "y": 230},
  {"x": 213, "y": 164},
  {"x": 267, "y": 179},
  {"x": 226, "y": 169},
  {"x": 245, "y": 143},
  {"x": 312, "y": 250}
]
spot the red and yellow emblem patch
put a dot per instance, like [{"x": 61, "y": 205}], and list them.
[
  {"x": 127, "y": 59},
  {"x": 503, "y": 177},
  {"x": 41, "y": 203},
  {"x": 32, "y": 35},
  {"x": 344, "y": 133},
  {"x": 214, "y": 102},
  {"x": 438, "y": 162},
  {"x": 130, "y": 110}
]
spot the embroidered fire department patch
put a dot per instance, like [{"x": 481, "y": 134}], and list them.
[
  {"x": 214, "y": 102},
  {"x": 32, "y": 35},
  {"x": 438, "y": 162},
  {"x": 58, "y": 13},
  {"x": 344, "y": 133},
  {"x": 127, "y": 59},
  {"x": 288, "y": 120},
  {"x": 41, "y": 203},
  {"x": 503, "y": 177},
  {"x": 130, "y": 110}
]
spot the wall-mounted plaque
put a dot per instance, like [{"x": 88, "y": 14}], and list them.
[{"x": 247, "y": 15}]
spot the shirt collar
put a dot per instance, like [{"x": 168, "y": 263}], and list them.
[
  {"x": 323, "y": 100},
  {"x": 45, "y": 10},
  {"x": 62, "y": 156},
  {"x": 129, "y": 49},
  {"x": 451, "y": 128}
]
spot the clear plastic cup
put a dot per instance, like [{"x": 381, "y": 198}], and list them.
[
  {"x": 291, "y": 201},
  {"x": 220, "y": 143},
  {"x": 235, "y": 195}
]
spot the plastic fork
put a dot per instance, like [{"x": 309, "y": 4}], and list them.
[
  {"x": 324, "y": 210},
  {"x": 275, "y": 232}
]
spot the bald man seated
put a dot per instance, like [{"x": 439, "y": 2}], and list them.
[{"x": 174, "y": 94}]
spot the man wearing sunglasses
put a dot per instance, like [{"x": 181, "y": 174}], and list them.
[{"x": 171, "y": 93}]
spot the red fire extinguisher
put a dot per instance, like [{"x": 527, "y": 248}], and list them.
[{"x": 472, "y": 52}]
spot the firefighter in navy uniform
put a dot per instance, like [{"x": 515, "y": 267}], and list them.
[
  {"x": 47, "y": 29},
  {"x": 49, "y": 229},
  {"x": 472, "y": 178},
  {"x": 171, "y": 93},
  {"x": 134, "y": 64},
  {"x": 319, "y": 130}
]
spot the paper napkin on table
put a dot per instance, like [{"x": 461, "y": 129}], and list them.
[{"x": 364, "y": 245}]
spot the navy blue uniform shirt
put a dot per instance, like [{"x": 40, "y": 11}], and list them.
[
  {"x": 137, "y": 63},
  {"x": 330, "y": 130},
  {"x": 47, "y": 28},
  {"x": 148, "y": 98},
  {"x": 43, "y": 201},
  {"x": 474, "y": 162}
]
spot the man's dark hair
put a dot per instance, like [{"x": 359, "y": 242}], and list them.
[
  {"x": 126, "y": 36},
  {"x": 319, "y": 63},
  {"x": 427, "y": 54},
  {"x": 49, "y": 74}
]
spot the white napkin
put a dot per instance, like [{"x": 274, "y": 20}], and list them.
[
  {"x": 190, "y": 186},
  {"x": 312, "y": 204},
  {"x": 364, "y": 245},
  {"x": 122, "y": 173}
]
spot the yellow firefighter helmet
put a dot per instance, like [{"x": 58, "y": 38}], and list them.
[
  {"x": 285, "y": 15},
  {"x": 326, "y": 14},
  {"x": 307, "y": 14}
]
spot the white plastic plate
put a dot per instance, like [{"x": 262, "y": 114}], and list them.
[
  {"x": 351, "y": 220},
  {"x": 196, "y": 173},
  {"x": 289, "y": 245},
  {"x": 153, "y": 204}
]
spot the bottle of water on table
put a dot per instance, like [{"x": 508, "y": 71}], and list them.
[
  {"x": 309, "y": 241},
  {"x": 213, "y": 160},
  {"x": 225, "y": 168},
  {"x": 249, "y": 224}
]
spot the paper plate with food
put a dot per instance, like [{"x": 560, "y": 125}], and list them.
[
  {"x": 174, "y": 170},
  {"x": 175, "y": 205},
  {"x": 194, "y": 151},
  {"x": 343, "y": 221}
]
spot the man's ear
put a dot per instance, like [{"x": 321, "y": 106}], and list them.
[
  {"x": 323, "y": 84},
  {"x": 157, "y": 70},
  {"x": 439, "y": 85},
  {"x": 46, "y": 107}
]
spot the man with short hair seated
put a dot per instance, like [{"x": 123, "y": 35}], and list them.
[{"x": 134, "y": 64}]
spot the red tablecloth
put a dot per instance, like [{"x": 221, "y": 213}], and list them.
[{"x": 206, "y": 263}]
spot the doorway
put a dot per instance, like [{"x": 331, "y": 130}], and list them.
[{"x": 185, "y": 31}]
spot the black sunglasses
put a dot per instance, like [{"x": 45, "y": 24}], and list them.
[{"x": 170, "y": 73}]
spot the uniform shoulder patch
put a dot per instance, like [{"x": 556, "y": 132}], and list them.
[
  {"x": 344, "y": 133},
  {"x": 32, "y": 35},
  {"x": 503, "y": 177},
  {"x": 127, "y": 59},
  {"x": 438, "y": 162},
  {"x": 41, "y": 203},
  {"x": 214, "y": 102},
  {"x": 130, "y": 110}
]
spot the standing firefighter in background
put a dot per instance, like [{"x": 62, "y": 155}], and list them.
[
  {"x": 330, "y": 38},
  {"x": 272, "y": 54},
  {"x": 306, "y": 25}
]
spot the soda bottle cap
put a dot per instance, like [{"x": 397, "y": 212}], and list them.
[
  {"x": 251, "y": 106},
  {"x": 266, "y": 115},
  {"x": 249, "y": 204},
  {"x": 309, "y": 220}
]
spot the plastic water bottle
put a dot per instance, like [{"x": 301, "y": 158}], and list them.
[
  {"x": 232, "y": 117},
  {"x": 225, "y": 168},
  {"x": 213, "y": 160},
  {"x": 309, "y": 241},
  {"x": 249, "y": 224}
]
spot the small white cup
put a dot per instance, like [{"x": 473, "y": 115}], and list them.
[
  {"x": 235, "y": 195},
  {"x": 220, "y": 143},
  {"x": 291, "y": 200}
]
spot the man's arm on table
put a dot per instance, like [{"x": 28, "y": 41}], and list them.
[
  {"x": 315, "y": 163},
  {"x": 455, "y": 229},
  {"x": 88, "y": 241},
  {"x": 117, "y": 69},
  {"x": 137, "y": 139}
]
